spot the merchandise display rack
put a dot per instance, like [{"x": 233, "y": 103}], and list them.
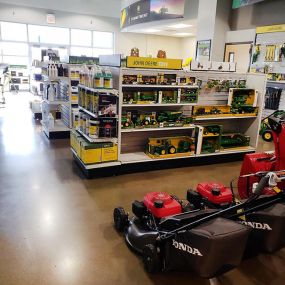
[
  {"x": 132, "y": 141},
  {"x": 19, "y": 78},
  {"x": 61, "y": 128}
]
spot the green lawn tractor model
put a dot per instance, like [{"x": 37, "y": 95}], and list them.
[{"x": 265, "y": 130}]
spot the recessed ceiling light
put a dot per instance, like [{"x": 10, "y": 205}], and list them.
[
  {"x": 180, "y": 26},
  {"x": 152, "y": 31},
  {"x": 183, "y": 34}
]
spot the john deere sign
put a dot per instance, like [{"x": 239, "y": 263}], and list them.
[{"x": 241, "y": 3}]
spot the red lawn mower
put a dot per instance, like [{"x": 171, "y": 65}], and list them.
[{"x": 210, "y": 232}]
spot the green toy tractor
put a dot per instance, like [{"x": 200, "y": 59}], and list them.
[
  {"x": 165, "y": 148},
  {"x": 265, "y": 130}
]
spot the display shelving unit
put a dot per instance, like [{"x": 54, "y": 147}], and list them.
[
  {"x": 61, "y": 128},
  {"x": 131, "y": 142},
  {"x": 19, "y": 78}
]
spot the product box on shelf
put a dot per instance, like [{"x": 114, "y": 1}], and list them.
[
  {"x": 106, "y": 105},
  {"x": 234, "y": 141},
  {"x": 188, "y": 95},
  {"x": 168, "y": 96},
  {"x": 147, "y": 79},
  {"x": 109, "y": 152},
  {"x": 211, "y": 138},
  {"x": 144, "y": 119},
  {"x": 166, "y": 79},
  {"x": 147, "y": 97},
  {"x": 90, "y": 153},
  {"x": 130, "y": 79},
  {"x": 211, "y": 111},
  {"x": 108, "y": 128},
  {"x": 170, "y": 118},
  {"x": 170, "y": 147},
  {"x": 186, "y": 80},
  {"x": 130, "y": 97},
  {"x": 242, "y": 97}
]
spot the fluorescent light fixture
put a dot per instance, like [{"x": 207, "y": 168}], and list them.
[
  {"x": 180, "y": 26},
  {"x": 152, "y": 31},
  {"x": 183, "y": 34}
]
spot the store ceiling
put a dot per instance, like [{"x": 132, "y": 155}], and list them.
[
  {"x": 108, "y": 8},
  {"x": 171, "y": 28}
]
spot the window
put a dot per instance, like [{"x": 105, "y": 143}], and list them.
[
  {"x": 103, "y": 40},
  {"x": 81, "y": 38},
  {"x": 16, "y": 60},
  {"x": 102, "y": 51},
  {"x": 19, "y": 49},
  {"x": 45, "y": 34},
  {"x": 13, "y": 32},
  {"x": 80, "y": 51}
]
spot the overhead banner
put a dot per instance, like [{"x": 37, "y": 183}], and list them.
[
  {"x": 241, "y": 3},
  {"x": 144, "y": 11}
]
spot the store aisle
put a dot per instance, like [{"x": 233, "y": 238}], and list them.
[{"x": 56, "y": 226}]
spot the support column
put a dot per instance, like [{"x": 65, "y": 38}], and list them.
[{"x": 213, "y": 24}]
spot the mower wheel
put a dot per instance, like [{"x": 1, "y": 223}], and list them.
[
  {"x": 151, "y": 259},
  {"x": 267, "y": 136},
  {"x": 120, "y": 219}
]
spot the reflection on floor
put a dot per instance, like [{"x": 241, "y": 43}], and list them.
[{"x": 56, "y": 226}]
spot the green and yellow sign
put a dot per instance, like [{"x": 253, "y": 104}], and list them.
[
  {"x": 154, "y": 63},
  {"x": 240, "y": 3}
]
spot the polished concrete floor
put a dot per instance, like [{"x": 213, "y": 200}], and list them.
[{"x": 56, "y": 226}]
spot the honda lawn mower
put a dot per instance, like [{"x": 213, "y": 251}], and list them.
[
  {"x": 211, "y": 232},
  {"x": 208, "y": 233}
]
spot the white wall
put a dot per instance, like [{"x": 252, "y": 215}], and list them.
[
  {"x": 188, "y": 48},
  {"x": 124, "y": 42},
  {"x": 240, "y": 36},
  {"x": 110, "y": 8}
]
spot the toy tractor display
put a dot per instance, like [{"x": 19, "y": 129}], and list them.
[
  {"x": 169, "y": 96},
  {"x": 234, "y": 140},
  {"x": 169, "y": 116},
  {"x": 130, "y": 97},
  {"x": 170, "y": 146},
  {"x": 265, "y": 129},
  {"x": 242, "y": 100},
  {"x": 147, "y": 96},
  {"x": 210, "y": 145},
  {"x": 126, "y": 121},
  {"x": 189, "y": 95},
  {"x": 146, "y": 120},
  {"x": 212, "y": 130}
]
